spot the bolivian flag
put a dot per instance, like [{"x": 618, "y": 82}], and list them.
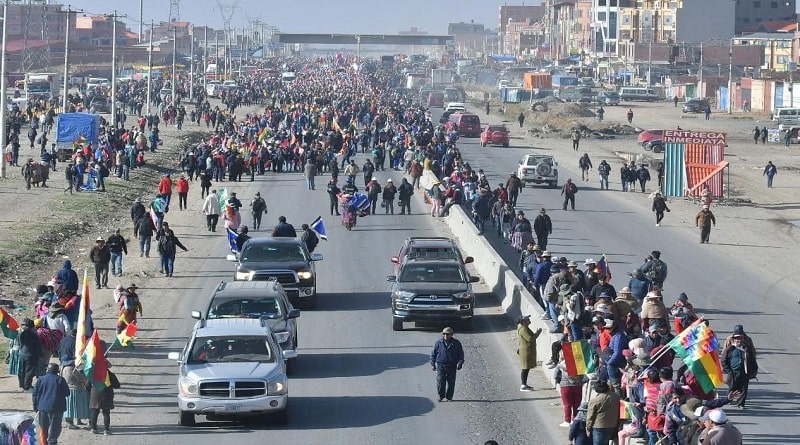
[
  {"x": 94, "y": 363},
  {"x": 578, "y": 358},
  {"x": 125, "y": 338},
  {"x": 8, "y": 325}
]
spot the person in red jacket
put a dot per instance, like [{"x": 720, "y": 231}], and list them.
[
  {"x": 183, "y": 191},
  {"x": 165, "y": 188}
]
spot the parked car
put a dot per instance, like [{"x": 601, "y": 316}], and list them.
[
  {"x": 695, "y": 106},
  {"x": 495, "y": 135},
  {"x": 654, "y": 145},
  {"x": 255, "y": 299},
  {"x": 286, "y": 260},
  {"x": 99, "y": 104},
  {"x": 232, "y": 368},
  {"x": 431, "y": 248},
  {"x": 608, "y": 98},
  {"x": 538, "y": 169},
  {"x": 649, "y": 135},
  {"x": 436, "y": 99},
  {"x": 432, "y": 291},
  {"x": 468, "y": 124}
]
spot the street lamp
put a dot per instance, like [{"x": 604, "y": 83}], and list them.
[
  {"x": 730, "y": 78},
  {"x": 3, "y": 94}
]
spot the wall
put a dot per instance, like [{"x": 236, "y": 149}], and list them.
[{"x": 694, "y": 25}]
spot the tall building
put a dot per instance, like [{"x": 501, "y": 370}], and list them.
[
  {"x": 752, "y": 13},
  {"x": 518, "y": 14}
]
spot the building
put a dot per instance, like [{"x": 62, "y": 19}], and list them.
[
  {"x": 778, "y": 48},
  {"x": 36, "y": 20},
  {"x": 752, "y": 13},
  {"x": 98, "y": 31},
  {"x": 518, "y": 14}
]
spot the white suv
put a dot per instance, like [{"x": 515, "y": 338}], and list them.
[
  {"x": 538, "y": 169},
  {"x": 232, "y": 368}
]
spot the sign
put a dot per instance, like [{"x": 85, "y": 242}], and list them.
[{"x": 694, "y": 137}]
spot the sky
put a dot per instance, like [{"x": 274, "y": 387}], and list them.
[{"x": 314, "y": 16}]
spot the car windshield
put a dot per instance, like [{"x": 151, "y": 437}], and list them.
[
  {"x": 273, "y": 253},
  {"x": 536, "y": 160},
  {"x": 470, "y": 119},
  {"x": 432, "y": 273},
  {"x": 499, "y": 128},
  {"x": 230, "y": 349},
  {"x": 246, "y": 308}
]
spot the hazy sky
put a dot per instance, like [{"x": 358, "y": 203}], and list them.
[{"x": 317, "y": 16}]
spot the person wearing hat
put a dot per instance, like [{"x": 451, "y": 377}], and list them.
[
  {"x": 704, "y": 220},
  {"x": 568, "y": 192},
  {"x": 527, "y": 350},
  {"x": 739, "y": 364},
  {"x": 50, "y": 402},
  {"x": 653, "y": 311},
  {"x": 100, "y": 256},
  {"x": 543, "y": 227},
  {"x": 719, "y": 431},
  {"x": 602, "y": 417},
  {"x": 521, "y": 232},
  {"x": 137, "y": 210},
  {"x": 513, "y": 188},
  {"x": 129, "y": 306},
  {"x": 117, "y": 246},
  {"x": 447, "y": 357},
  {"x": 258, "y": 208},
  {"x": 603, "y": 287},
  {"x": 387, "y": 197}
]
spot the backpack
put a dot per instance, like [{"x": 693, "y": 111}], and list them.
[
  {"x": 655, "y": 274},
  {"x": 130, "y": 302},
  {"x": 259, "y": 205}
]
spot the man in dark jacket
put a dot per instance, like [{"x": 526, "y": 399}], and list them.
[
  {"x": 543, "y": 228},
  {"x": 333, "y": 192},
  {"x": 117, "y": 246},
  {"x": 513, "y": 186},
  {"x": 447, "y": 357},
  {"x": 284, "y": 229},
  {"x": 30, "y": 352},
  {"x": 310, "y": 238},
  {"x": 137, "y": 210},
  {"x": 100, "y": 255},
  {"x": 481, "y": 209},
  {"x": 643, "y": 175},
  {"x": 50, "y": 401},
  {"x": 144, "y": 230},
  {"x": 568, "y": 192},
  {"x": 405, "y": 191},
  {"x": 242, "y": 237},
  {"x": 67, "y": 277},
  {"x": 168, "y": 243}
]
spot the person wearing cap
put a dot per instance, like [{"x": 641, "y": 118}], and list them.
[
  {"x": 447, "y": 357},
  {"x": 603, "y": 287},
  {"x": 258, "y": 208},
  {"x": 602, "y": 418},
  {"x": 100, "y": 256},
  {"x": 117, "y": 246},
  {"x": 513, "y": 188},
  {"x": 50, "y": 402},
  {"x": 568, "y": 192},
  {"x": 739, "y": 363},
  {"x": 387, "y": 197},
  {"x": 168, "y": 243},
  {"x": 527, "y": 350},
  {"x": 242, "y": 237},
  {"x": 718, "y": 430},
  {"x": 373, "y": 189},
  {"x": 543, "y": 227},
  {"x": 704, "y": 220},
  {"x": 683, "y": 313},
  {"x": 653, "y": 311}
]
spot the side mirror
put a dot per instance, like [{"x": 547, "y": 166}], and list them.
[
  {"x": 391, "y": 278},
  {"x": 289, "y": 354},
  {"x": 468, "y": 260},
  {"x": 316, "y": 257},
  {"x": 230, "y": 257},
  {"x": 174, "y": 356},
  {"x": 196, "y": 315},
  {"x": 294, "y": 313},
  {"x": 474, "y": 279},
  {"x": 395, "y": 260}
]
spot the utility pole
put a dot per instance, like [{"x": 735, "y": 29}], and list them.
[
  {"x": 700, "y": 73},
  {"x": 205, "y": 56},
  {"x": 730, "y": 78},
  {"x": 3, "y": 93},
  {"x": 114, "y": 71},
  {"x": 174, "y": 77},
  {"x": 66, "y": 62},
  {"x": 216, "y": 53},
  {"x": 141, "y": 20},
  {"x": 150, "y": 70},
  {"x": 191, "y": 63}
]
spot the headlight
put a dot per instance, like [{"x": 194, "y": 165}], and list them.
[
  {"x": 403, "y": 295},
  {"x": 187, "y": 386},
  {"x": 278, "y": 386},
  {"x": 305, "y": 275},
  {"x": 244, "y": 276},
  {"x": 464, "y": 295},
  {"x": 282, "y": 337}
]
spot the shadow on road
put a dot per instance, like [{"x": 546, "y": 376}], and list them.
[{"x": 350, "y": 364}]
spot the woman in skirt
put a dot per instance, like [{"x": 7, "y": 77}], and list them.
[
  {"x": 521, "y": 232},
  {"x": 78, "y": 399}
]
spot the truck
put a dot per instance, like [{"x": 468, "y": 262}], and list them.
[
  {"x": 537, "y": 80},
  {"x": 441, "y": 76},
  {"x": 562, "y": 80},
  {"x": 416, "y": 80},
  {"x": 44, "y": 85}
]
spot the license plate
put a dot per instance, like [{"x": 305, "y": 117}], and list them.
[{"x": 232, "y": 408}]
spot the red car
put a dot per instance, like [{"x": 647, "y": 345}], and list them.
[
  {"x": 495, "y": 135},
  {"x": 649, "y": 135}
]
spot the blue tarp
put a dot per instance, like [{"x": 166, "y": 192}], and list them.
[{"x": 71, "y": 126}]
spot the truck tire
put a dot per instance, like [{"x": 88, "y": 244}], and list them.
[
  {"x": 281, "y": 417},
  {"x": 185, "y": 418},
  {"x": 397, "y": 324}
]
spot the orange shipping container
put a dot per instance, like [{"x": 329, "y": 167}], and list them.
[{"x": 538, "y": 80}]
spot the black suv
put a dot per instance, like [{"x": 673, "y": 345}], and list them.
[
  {"x": 432, "y": 290},
  {"x": 285, "y": 260},
  {"x": 431, "y": 248},
  {"x": 695, "y": 106},
  {"x": 265, "y": 300}
]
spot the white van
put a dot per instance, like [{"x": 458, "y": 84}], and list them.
[
  {"x": 288, "y": 77},
  {"x": 456, "y": 107},
  {"x": 213, "y": 87},
  {"x": 787, "y": 118},
  {"x": 628, "y": 94}
]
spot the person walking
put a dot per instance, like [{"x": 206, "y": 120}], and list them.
[
  {"x": 183, "y": 191},
  {"x": 117, "y": 247},
  {"x": 144, "y": 230},
  {"x": 643, "y": 175},
  {"x": 576, "y": 138},
  {"x": 258, "y": 208},
  {"x": 739, "y": 364},
  {"x": 77, "y": 403},
  {"x": 770, "y": 171},
  {"x": 585, "y": 165},
  {"x": 527, "y": 350},
  {"x": 764, "y": 133},
  {"x": 137, "y": 210},
  {"x": 405, "y": 191},
  {"x": 205, "y": 183},
  {"x": 211, "y": 209},
  {"x": 310, "y": 172},
  {"x": 705, "y": 219},
  {"x": 100, "y": 256},
  {"x": 30, "y": 352},
  {"x": 447, "y": 357},
  {"x": 568, "y": 192},
  {"x": 521, "y": 119},
  {"x": 102, "y": 401},
  {"x": 50, "y": 402},
  {"x": 333, "y": 196},
  {"x": 630, "y": 115},
  {"x": 387, "y": 196},
  {"x": 603, "y": 415},
  {"x": 513, "y": 188},
  {"x": 756, "y": 134},
  {"x": 167, "y": 247},
  {"x": 659, "y": 206},
  {"x": 165, "y": 188},
  {"x": 543, "y": 227},
  {"x": 604, "y": 170},
  {"x": 708, "y": 112}
]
